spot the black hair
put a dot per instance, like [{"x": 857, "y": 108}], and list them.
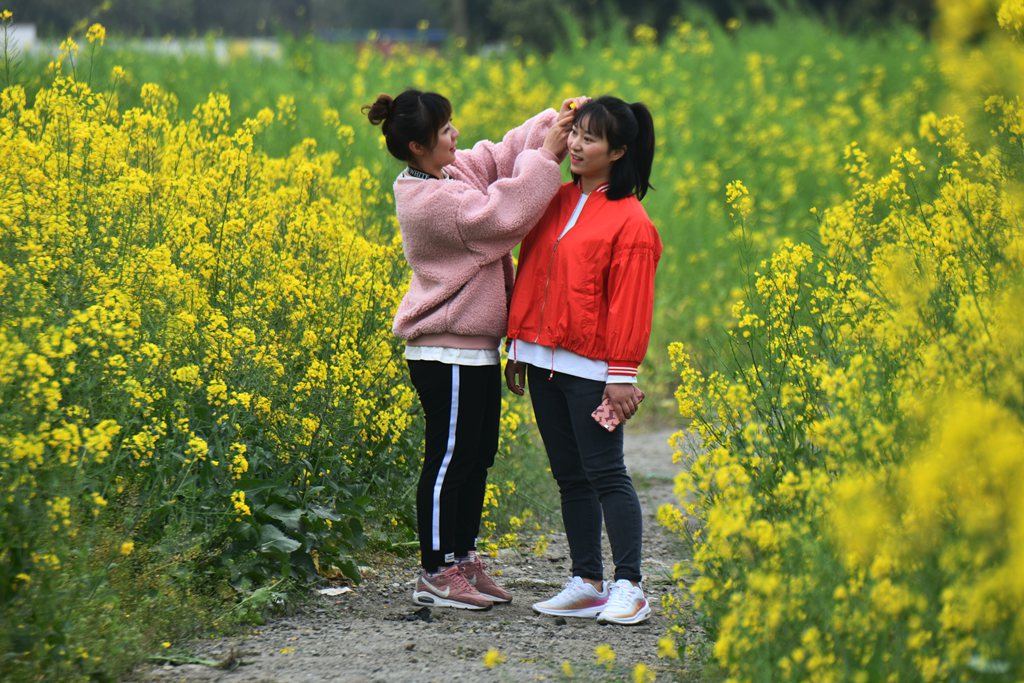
[
  {"x": 628, "y": 126},
  {"x": 413, "y": 116}
]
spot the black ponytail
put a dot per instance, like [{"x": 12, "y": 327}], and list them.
[
  {"x": 628, "y": 126},
  {"x": 643, "y": 149}
]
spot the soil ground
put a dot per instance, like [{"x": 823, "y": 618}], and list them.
[{"x": 376, "y": 634}]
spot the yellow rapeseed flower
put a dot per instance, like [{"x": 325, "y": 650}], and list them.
[
  {"x": 642, "y": 674},
  {"x": 604, "y": 655},
  {"x": 238, "y": 500},
  {"x": 68, "y": 47},
  {"x": 667, "y": 648},
  {"x": 96, "y": 33},
  {"x": 493, "y": 658},
  {"x": 1011, "y": 16}
]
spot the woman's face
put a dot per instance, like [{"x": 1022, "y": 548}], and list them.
[
  {"x": 589, "y": 156},
  {"x": 443, "y": 152}
]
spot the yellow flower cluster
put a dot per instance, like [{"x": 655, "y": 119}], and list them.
[
  {"x": 853, "y": 506},
  {"x": 186, "y": 323},
  {"x": 604, "y": 655},
  {"x": 491, "y": 539},
  {"x": 96, "y": 33},
  {"x": 240, "y": 506},
  {"x": 194, "y": 325},
  {"x": 773, "y": 106},
  {"x": 979, "y": 51},
  {"x": 1011, "y": 16},
  {"x": 493, "y": 658}
]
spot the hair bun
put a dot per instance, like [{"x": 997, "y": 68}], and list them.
[{"x": 380, "y": 111}]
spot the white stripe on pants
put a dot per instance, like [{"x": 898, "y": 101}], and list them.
[{"x": 435, "y": 537}]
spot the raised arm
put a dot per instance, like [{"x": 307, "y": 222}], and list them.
[
  {"x": 494, "y": 221},
  {"x": 488, "y": 161}
]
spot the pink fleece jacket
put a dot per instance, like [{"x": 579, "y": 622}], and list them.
[{"x": 457, "y": 235}]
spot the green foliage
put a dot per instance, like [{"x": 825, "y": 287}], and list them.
[
  {"x": 219, "y": 272},
  {"x": 728, "y": 104},
  {"x": 197, "y": 368},
  {"x": 850, "y": 503}
]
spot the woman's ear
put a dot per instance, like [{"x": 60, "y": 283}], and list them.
[
  {"x": 417, "y": 149},
  {"x": 617, "y": 154}
]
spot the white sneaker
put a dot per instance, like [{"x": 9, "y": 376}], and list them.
[
  {"x": 577, "y": 599},
  {"x": 626, "y": 605}
]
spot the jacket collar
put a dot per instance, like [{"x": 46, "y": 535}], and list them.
[
  {"x": 410, "y": 173},
  {"x": 603, "y": 188}
]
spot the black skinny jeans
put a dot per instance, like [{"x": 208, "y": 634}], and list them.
[{"x": 589, "y": 465}]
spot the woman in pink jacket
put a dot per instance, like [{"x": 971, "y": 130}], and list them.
[{"x": 460, "y": 213}]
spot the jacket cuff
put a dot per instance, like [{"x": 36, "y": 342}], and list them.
[
  {"x": 622, "y": 371},
  {"x": 550, "y": 155}
]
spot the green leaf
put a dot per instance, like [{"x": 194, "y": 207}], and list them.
[
  {"x": 349, "y": 569},
  {"x": 252, "y": 485},
  {"x": 272, "y": 538},
  {"x": 324, "y": 512},
  {"x": 289, "y": 517}
]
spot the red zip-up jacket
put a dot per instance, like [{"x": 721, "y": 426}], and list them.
[{"x": 592, "y": 291}]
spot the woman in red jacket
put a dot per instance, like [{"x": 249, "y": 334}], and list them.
[{"x": 579, "y": 324}]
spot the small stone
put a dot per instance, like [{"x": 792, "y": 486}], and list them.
[{"x": 422, "y": 614}]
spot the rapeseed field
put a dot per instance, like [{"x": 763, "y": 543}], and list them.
[
  {"x": 201, "y": 396},
  {"x": 854, "y": 506}
]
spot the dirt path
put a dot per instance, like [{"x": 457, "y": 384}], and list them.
[{"x": 375, "y": 633}]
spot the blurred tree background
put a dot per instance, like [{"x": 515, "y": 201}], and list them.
[{"x": 536, "y": 23}]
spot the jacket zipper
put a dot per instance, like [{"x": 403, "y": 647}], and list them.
[
  {"x": 547, "y": 283},
  {"x": 551, "y": 263}
]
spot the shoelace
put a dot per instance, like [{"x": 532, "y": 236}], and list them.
[
  {"x": 459, "y": 580},
  {"x": 621, "y": 596},
  {"x": 475, "y": 567},
  {"x": 573, "y": 586}
]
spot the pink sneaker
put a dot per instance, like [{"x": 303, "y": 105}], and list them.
[
  {"x": 476, "y": 574},
  {"x": 448, "y": 589}
]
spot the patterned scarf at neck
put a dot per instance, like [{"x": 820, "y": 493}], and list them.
[{"x": 422, "y": 175}]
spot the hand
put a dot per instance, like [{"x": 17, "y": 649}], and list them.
[
  {"x": 557, "y": 139},
  {"x": 624, "y": 399},
  {"x": 515, "y": 377},
  {"x": 573, "y": 103}
]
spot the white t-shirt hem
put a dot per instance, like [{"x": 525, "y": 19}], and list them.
[
  {"x": 451, "y": 356},
  {"x": 566, "y": 362}
]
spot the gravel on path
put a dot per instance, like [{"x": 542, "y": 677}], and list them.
[{"x": 376, "y": 634}]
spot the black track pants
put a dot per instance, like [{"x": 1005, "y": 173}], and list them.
[{"x": 462, "y": 405}]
